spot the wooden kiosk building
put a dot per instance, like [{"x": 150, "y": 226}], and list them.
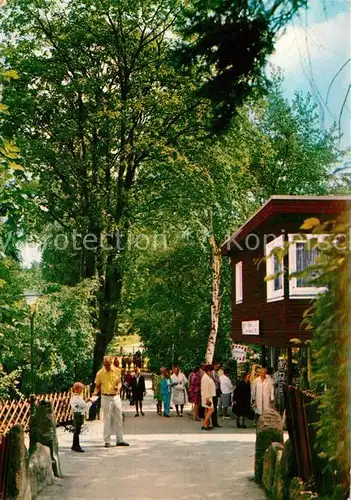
[{"x": 269, "y": 312}]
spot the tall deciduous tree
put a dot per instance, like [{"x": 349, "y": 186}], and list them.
[
  {"x": 14, "y": 188},
  {"x": 97, "y": 101}
]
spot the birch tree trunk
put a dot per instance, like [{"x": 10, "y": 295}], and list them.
[{"x": 216, "y": 301}]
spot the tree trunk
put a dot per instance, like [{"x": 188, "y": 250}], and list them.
[
  {"x": 104, "y": 335},
  {"x": 216, "y": 301},
  {"x": 109, "y": 298}
]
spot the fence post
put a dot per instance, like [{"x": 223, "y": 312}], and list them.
[
  {"x": 15, "y": 460},
  {"x": 3, "y": 465}
]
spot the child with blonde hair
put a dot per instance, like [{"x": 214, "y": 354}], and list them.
[{"x": 78, "y": 409}]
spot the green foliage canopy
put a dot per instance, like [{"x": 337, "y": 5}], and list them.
[{"x": 232, "y": 40}]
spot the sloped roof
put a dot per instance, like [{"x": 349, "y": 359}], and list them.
[{"x": 288, "y": 204}]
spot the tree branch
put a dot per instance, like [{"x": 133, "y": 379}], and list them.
[
  {"x": 342, "y": 109},
  {"x": 335, "y": 77}
]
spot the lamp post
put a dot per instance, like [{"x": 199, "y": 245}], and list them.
[{"x": 32, "y": 299}]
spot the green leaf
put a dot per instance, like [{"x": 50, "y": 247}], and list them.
[
  {"x": 11, "y": 74},
  {"x": 15, "y": 166},
  {"x": 4, "y": 109}
]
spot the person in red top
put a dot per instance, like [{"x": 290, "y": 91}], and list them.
[
  {"x": 195, "y": 391},
  {"x": 128, "y": 381}
]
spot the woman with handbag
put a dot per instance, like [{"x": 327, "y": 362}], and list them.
[{"x": 208, "y": 392}]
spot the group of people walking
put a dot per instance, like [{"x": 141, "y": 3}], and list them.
[
  {"x": 171, "y": 385},
  {"x": 211, "y": 392},
  {"x": 202, "y": 389},
  {"x": 208, "y": 388}
]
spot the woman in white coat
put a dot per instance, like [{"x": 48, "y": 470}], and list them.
[
  {"x": 262, "y": 393},
  {"x": 179, "y": 383},
  {"x": 208, "y": 392}
]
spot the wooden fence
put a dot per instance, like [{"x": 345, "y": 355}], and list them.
[
  {"x": 301, "y": 417},
  {"x": 14, "y": 412}
]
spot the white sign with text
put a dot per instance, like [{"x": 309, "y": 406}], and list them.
[
  {"x": 250, "y": 327},
  {"x": 239, "y": 352}
]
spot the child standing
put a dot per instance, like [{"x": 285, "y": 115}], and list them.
[
  {"x": 78, "y": 409},
  {"x": 166, "y": 392}
]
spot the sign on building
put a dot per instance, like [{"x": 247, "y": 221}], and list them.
[
  {"x": 250, "y": 327},
  {"x": 239, "y": 352}
]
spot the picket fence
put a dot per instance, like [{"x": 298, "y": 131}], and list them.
[{"x": 14, "y": 412}]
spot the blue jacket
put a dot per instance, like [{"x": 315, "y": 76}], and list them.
[{"x": 165, "y": 386}]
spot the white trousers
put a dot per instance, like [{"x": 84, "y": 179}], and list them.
[{"x": 113, "y": 421}]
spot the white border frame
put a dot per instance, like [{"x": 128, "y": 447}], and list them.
[
  {"x": 274, "y": 295},
  {"x": 302, "y": 292},
  {"x": 239, "y": 295}
]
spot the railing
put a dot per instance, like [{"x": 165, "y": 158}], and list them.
[
  {"x": 299, "y": 431},
  {"x": 14, "y": 412},
  {"x": 301, "y": 417}
]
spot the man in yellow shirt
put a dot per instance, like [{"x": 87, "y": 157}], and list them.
[{"x": 108, "y": 382}]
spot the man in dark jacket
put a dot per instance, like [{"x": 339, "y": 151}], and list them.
[
  {"x": 215, "y": 376},
  {"x": 138, "y": 391}
]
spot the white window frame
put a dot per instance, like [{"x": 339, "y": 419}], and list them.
[
  {"x": 239, "y": 282},
  {"x": 302, "y": 292},
  {"x": 274, "y": 295}
]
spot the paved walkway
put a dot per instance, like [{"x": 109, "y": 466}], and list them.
[{"x": 167, "y": 459}]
